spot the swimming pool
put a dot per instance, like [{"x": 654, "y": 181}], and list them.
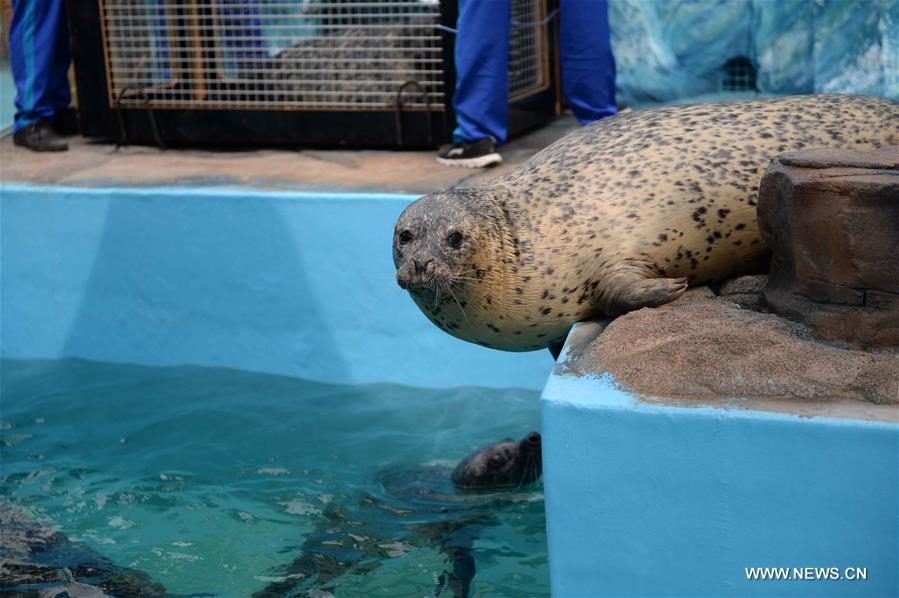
[
  {"x": 252, "y": 367},
  {"x": 215, "y": 481}
]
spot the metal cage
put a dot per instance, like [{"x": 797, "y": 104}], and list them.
[{"x": 392, "y": 57}]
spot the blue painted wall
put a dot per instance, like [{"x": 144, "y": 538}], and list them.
[
  {"x": 667, "y": 50},
  {"x": 296, "y": 284},
  {"x": 648, "y": 499}
]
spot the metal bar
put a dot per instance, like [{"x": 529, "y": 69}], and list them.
[{"x": 312, "y": 107}]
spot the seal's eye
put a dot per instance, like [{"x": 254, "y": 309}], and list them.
[
  {"x": 405, "y": 237},
  {"x": 455, "y": 239},
  {"x": 498, "y": 460}
]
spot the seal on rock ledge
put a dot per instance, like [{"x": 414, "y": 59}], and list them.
[{"x": 618, "y": 215}]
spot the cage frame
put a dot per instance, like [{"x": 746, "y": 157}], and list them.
[{"x": 420, "y": 126}]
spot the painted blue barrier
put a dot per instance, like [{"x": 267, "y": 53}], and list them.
[
  {"x": 300, "y": 284},
  {"x": 648, "y": 498}
]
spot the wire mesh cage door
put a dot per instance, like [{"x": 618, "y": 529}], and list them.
[
  {"x": 392, "y": 57},
  {"x": 258, "y": 54}
]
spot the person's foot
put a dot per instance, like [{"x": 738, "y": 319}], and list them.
[
  {"x": 470, "y": 154},
  {"x": 39, "y": 137}
]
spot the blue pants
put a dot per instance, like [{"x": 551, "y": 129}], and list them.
[
  {"x": 39, "y": 55},
  {"x": 482, "y": 65}
]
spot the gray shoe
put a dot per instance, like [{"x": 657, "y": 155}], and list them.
[{"x": 40, "y": 137}]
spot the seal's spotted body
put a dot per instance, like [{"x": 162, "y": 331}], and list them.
[{"x": 615, "y": 216}]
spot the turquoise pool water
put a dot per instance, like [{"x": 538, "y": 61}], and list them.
[{"x": 210, "y": 480}]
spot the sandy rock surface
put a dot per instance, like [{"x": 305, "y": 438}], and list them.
[{"x": 706, "y": 346}]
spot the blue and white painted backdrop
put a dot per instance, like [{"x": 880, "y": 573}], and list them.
[{"x": 672, "y": 49}]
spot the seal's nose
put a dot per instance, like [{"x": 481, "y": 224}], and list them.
[
  {"x": 421, "y": 267},
  {"x": 416, "y": 273},
  {"x": 403, "y": 275},
  {"x": 531, "y": 444}
]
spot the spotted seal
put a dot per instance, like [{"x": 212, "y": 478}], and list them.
[
  {"x": 425, "y": 506},
  {"x": 618, "y": 215}
]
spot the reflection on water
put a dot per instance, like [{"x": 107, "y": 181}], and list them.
[{"x": 228, "y": 482}]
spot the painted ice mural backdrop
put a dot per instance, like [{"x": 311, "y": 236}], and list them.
[{"x": 671, "y": 49}]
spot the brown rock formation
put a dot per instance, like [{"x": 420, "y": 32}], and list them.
[
  {"x": 705, "y": 347},
  {"x": 831, "y": 219}
]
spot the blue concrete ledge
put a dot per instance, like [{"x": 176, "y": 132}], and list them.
[
  {"x": 650, "y": 498},
  {"x": 300, "y": 284}
]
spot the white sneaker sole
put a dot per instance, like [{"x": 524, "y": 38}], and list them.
[{"x": 479, "y": 162}]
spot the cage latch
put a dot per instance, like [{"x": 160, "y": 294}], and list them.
[{"x": 398, "y": 106}]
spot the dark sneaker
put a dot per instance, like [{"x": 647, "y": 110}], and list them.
[
  {"x": 470, "y": 154},
  {"x": 40, "y": 137}
]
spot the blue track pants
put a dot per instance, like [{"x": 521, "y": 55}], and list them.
[
  {"x": 482, "y": 65},
  {"x": 39, "y": 55}
]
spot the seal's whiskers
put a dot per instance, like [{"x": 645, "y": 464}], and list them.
[
  {"x": 437, "y": 294},
  {"x": 524, "y": 475},
  {"x": 453, "y": 295}
]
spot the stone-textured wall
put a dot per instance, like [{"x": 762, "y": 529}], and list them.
[
  {"x": 676, "y": 48},
  {"x": 831, "y": 219}
]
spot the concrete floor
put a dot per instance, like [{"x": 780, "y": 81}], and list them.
[{"x": 88, "y": 163}]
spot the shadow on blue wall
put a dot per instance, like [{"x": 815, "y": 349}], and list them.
[{"x": 172, "y": 280}]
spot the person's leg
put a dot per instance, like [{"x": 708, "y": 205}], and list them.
[
  {"x": 60, "y": 93},
  {"x": 39, "y": 56},
  {"x": 481, "y": 97},
  {"x": 588, "y": 66}
]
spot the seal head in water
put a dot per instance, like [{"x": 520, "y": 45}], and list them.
[
  {"x": 416, "y": 507},
  {"x": 505, "y": 464}
]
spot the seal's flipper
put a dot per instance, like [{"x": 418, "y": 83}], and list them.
[
  {"x": 456, "y": 540},
  {"x": 458, "y": 580},
  {"x": 633, "y": 284}
]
